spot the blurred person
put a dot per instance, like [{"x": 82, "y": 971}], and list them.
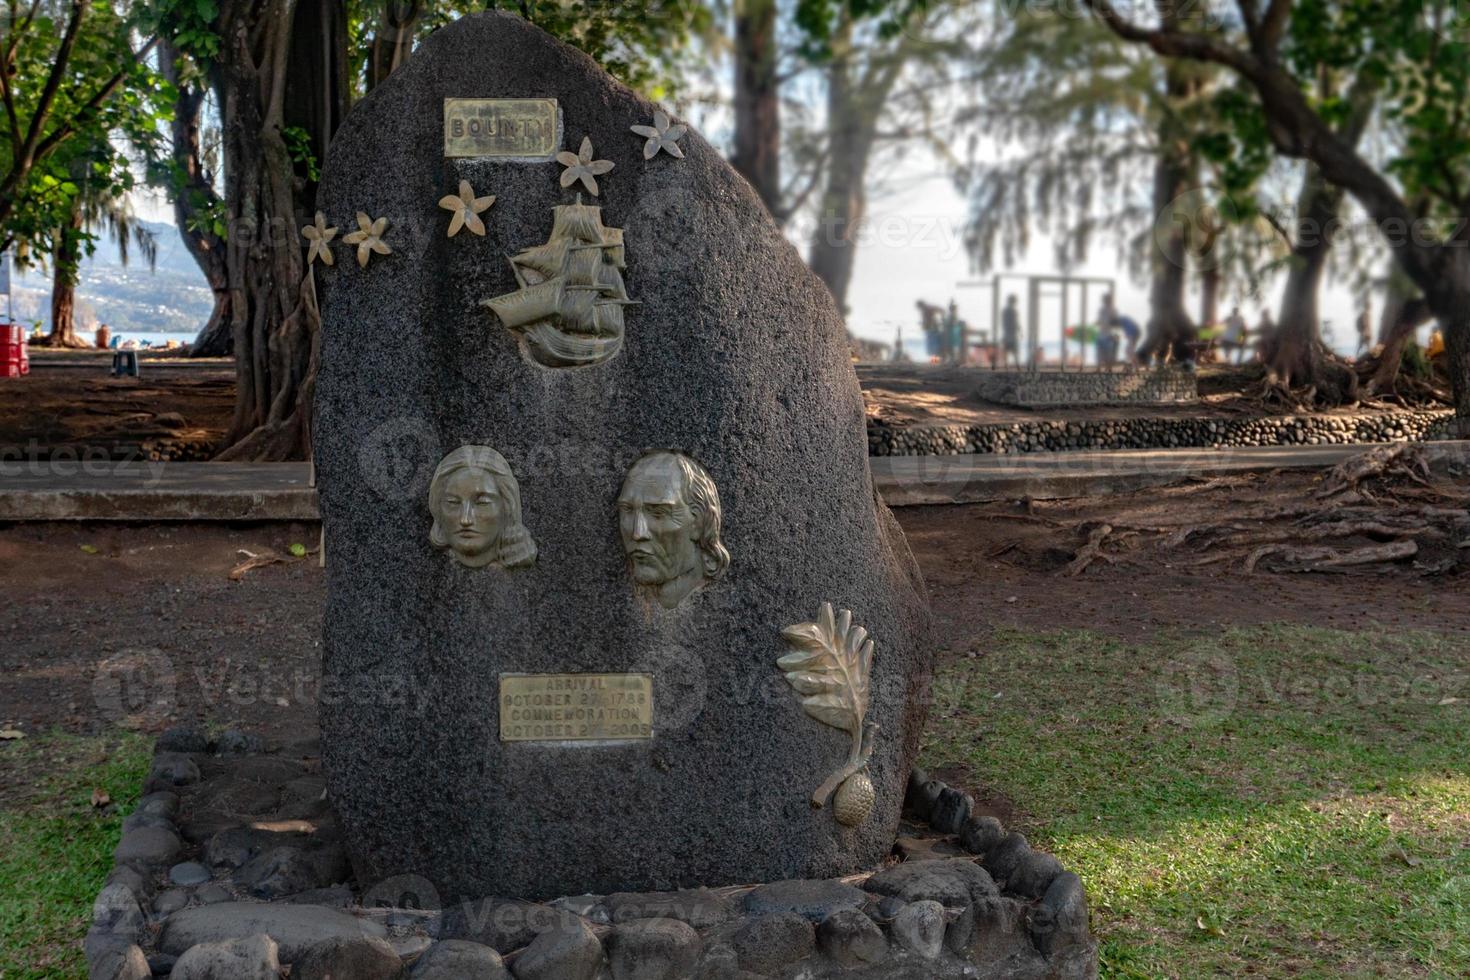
[
  {"x": 1010, "y": 333},
  {"x": 1234, "y": 338}
]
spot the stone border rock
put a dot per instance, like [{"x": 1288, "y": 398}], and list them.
[
  {"x": 1156, "y": 433},
  {"x": 230, "y": 866}
]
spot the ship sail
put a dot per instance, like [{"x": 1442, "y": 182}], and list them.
[{"x": 569, "y": 307}]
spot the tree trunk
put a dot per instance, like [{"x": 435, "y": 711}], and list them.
[
  {"x": 1209, "y": 294},
  {"x": 757, "y": 153},
  {"x": 1295, "y": 355},
  {"x": 65, "y": 262},
  {"x": 195, "y": 205},
  {"x": 1170, "y": 331},
  {"x": 1409, "y": 314},
  {"x": 272, "y": 307},
  {"x": 393, "y": 43},
  {"x": 1457, "y": 352}
]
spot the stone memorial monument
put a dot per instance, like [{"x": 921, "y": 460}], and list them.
[
  {"x": 624, "y": 663},
  {"x": 612, "y": 605}
]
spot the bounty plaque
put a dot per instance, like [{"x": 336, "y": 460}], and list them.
[
  {"x": 500, "y": 128},
  {"x": 575, "y": 707}
]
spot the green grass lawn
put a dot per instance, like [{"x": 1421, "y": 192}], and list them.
[
  {"x": 1277, "y": 801},
  {"x": 56, "y": 847},
  {"x": 1280, "y": 801}
]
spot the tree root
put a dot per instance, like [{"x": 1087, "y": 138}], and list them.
[
  {"x": 1091, "y": 551},
  {"x": 1406, "y": 460},
  {"x": 1315, "y": 559}
]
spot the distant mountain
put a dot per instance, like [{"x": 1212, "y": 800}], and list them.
[{"x": 173, "y": 298}]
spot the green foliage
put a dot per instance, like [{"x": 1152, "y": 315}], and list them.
[
  {"x": 84, "y": 161},
  {"x": 298, "y": 145}
]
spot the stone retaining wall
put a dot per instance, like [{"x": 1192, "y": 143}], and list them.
[
  {"x": 1037, "y": 389},
  {"x": 232, "y": 866},
  {"x": 1155, "y": 433}
]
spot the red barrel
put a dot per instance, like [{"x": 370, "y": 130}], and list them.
[{"x": 15, "y": 360}]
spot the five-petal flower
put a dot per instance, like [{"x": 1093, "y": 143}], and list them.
[
  {"x": 466, "y": 208},
  {"x": 368, "y": 238},
  {"x": 661, "y": 136},
  {"x": 318, "y": 234},
  {"x": 581, "y": 166}
]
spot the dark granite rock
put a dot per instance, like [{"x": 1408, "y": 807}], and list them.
[
  {"x": 502, "y": 924},
  {"x": 883, "y": 910},
  {"x": 570, "y": 951},
  {"x": 919, "y": 929},
  {"x": 1005, "y": 858},
  {"x": 738, "y": 359},
  {"x": 170, "y": 901},
  {"x": 768, "y": 943},
  {"x": 182, "y": 738},
  {"x": 161, "y": 964},
  {"x": 980, "y": 834},
  {"x": 212, "y": 894},
  {"x": 927, "y": 797},
  {"x": 928, "y": 848},
  {"x": 456, "y": 959},
  {"x": 148, "y": 845},
  {"x": 235, "y": 742},
  {"x": 170, "y": 769},
  {"x": 188, "y": 873},
  {"x": 137, "y": 882},
  {"x": 954, "y": 883},
  {"x": 287, "y": 870},
  {"x": 699, "y": 907},
  {"x": 296, "y": 928},
  {"x": 117, "y": 908},
  {"x": 250, "y": 958},
  {"x": 335, "y": 897},
  {"x": 815, "y": 900},
  {"x": 162, "y": 803},
  {"x": 142, "y": 819},
  {"x": 951, "y": 811},
  {"x": 914, "y": 787},
  {"x": 653, "y": 949},
  {"x": 236, "y": 846},
  {"x": 358, "y": 957},
  {"x": 126, "y": 963},
  {"x": 1034, "y": 875},
  {"x": 1060, "y": 922},
  {"x": 850, "y": 938}
]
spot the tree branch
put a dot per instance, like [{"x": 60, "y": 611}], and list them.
[{"x": 26, "y": 156}]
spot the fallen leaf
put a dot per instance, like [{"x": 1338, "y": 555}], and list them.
[
  {"x": 100, "y": 797},
  {"x": 11, "y": 734},
  {"x": 89, "y": 549}
]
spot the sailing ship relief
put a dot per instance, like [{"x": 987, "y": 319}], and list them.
[{"x": 568, "y": 308}]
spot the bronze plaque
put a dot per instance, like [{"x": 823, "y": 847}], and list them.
[
  {"x": 575, "y": 707},
  {"x": 521, "y": 128}
]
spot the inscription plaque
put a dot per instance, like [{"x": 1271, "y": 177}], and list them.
[
  {"x": 575, "y": 707},
  {"x": 500, "y": 128}
]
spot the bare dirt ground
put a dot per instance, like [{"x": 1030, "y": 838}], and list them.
[
  {"x": 180, "y": 409},
  {"x": 168, "y": 412},
  {"x": 143, "y": 626}
]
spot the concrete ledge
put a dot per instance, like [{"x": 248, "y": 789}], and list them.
[
  {"x": 906, "y": 481},
  {"x": 157, "y": 491}
]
